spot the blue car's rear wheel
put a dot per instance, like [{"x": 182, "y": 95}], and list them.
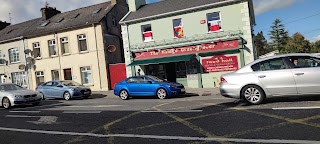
[
  {"x": 124, "y": 95},
  {"x": 161, "y": 93}
]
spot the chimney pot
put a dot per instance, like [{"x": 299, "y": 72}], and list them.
[
  {"x": 3, "y": 24},
  {"x": 48, "y": 12}
]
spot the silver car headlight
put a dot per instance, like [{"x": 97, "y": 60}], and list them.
[{"x": 18, "y": 96}]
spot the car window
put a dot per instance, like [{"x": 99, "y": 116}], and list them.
[
  {"x": 55, "y": 83},
  {"x": 304, "y": 61},
  {"x": 49, "y": 84},
  {"x": 273, "y": 64},
  {"x": 142, "y": 79},
  {"x": 132, "y": 80}
]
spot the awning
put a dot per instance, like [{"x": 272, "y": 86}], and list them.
[{"x": 162, "y": 60}]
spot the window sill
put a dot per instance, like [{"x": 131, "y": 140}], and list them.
[
  {"x": 215, "y": 31},
  {"x": 83, "y": 52},
  {"x": 148, "y": 41},
  {"x": 53, "y": 56},
  {"x": 88, "y": 84},
  {"x": 38, "y": 58},
  {"x": 178, "y": 37},
  {"x": 14, "y": 62},
  {"x": 66, "y": 54}
]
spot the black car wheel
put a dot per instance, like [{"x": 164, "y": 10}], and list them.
[
  {"x": 124, "y": 95},
  {"x": 253, "y": 94},
  {"x": 6, "y": 103},
  {"x": 66, "y": 96},
  {"x": 161, "y": 93}
]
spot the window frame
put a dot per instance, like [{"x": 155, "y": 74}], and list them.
[
  {"x": 86, "y": 71},
  {"x": 64, "y": 40},
  {"x": 220, "y": 20},
  {"x": 2, "y": 60},
  {"x": 39, "y": 75},
  {"x": 82, "y": 37},
  {"x": 143, "y": 32},
  {"x": 173, "y": 27},
  {"x": 52, "y": 44},
  {"x": 22, "y": 76},
  {"x": 17, "y": 56},
  {"x": 52, "y": 75},
  {"x": 36, "y": 45}
]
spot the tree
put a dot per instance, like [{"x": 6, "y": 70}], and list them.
[
  {"x": 315, "y": 47},
  {"x": 278, "y": 36},
  {"x": 298, "y": 44},
  {"x": 261, "y": 44}
]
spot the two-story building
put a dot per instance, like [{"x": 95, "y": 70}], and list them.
[
  {"x": 192, "y": 42},
  {"x": 76, "y": 45}
]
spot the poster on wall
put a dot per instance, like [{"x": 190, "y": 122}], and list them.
[{"x": 220, "y": 63}]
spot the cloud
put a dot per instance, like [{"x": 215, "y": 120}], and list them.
[
  {"x": 314, "y": 39},
  {"x": 261, "y": 6},
  {"x": 23, "y": 10}
]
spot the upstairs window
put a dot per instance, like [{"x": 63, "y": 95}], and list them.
[
  {"x": 36, "y": 50},
  {"x": 147, "y": 33},
  {"x": 52, "y": 48},
  {"x": 214, "y": 22},
  {"x": 178, "y": 28},
  {"x": 82, "y": 42},
  {"x": 14, "y": 55},
  {"x": 65, "y": 45},
  {"x": 2, "y": 60}
]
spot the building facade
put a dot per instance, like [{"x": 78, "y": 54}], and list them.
[
  {"x": 76, "y": 45},
  {"x": 193, "y": 44}
]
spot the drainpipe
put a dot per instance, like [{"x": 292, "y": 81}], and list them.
[
  {"x": 133, "y": 70},
  {"x": 25, "y": 58},
  {"x": 95, "y": 36},
  {"x": 58, "y": 53}
]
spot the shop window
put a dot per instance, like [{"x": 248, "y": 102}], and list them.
[
  {"x": 55, "y": 75},
  {"x": 14, "y": 55},
  {"x": 39, "y": 77},
  {"x": 52, "y": 48},
  {"x": 178, "y": 28},
  {"x": 82, "y": 43},
  {"x": 192, "y": 66},
  {"x": 147, "y": 33},
  {"x": 181, "y": 69},
  {"x": 158, "y": 70},
  {"x": 65, "y": 45},
  {"x": 36, "y": 50},
  {"x": 86, "y": 75},
  {"x": 19, "y": 78},
  {"x": 214, "y": 22}
]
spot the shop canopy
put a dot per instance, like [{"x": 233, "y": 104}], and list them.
[{"x": 162, "y": 60}]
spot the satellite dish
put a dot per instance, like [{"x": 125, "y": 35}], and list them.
[
  {"x": 22, "y": 67},
  {"x": 27, "y": 51},
  {"x": 112, "y": 48}
]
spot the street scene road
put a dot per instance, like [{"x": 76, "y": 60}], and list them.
[{"x": 201, "y": 116}]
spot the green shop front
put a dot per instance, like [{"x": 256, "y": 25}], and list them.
[{"x": 195, "y": 65}]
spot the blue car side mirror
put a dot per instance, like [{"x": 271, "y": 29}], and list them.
[{"x": 150, "y": 82}]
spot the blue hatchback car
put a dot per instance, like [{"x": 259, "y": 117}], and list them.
[
  {"x": 147, "y": 86},
  {"x": 63, "y": 89}
]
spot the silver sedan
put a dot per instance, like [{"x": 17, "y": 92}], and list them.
[
  {"x": 12, "y": 95},
  {"x": 280, "y": 75}
]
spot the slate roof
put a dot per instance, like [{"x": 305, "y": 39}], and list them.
[
  {"x": 33, "y": 27},
  {"x": 167, "y": 6}
]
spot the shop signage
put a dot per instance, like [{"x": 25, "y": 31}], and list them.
[
  {"x": 209, "y": 47},
  {"x": 220, "y": 63}
]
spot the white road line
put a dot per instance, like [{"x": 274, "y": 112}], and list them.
[
  {"x": 163, "y": 137},
  {"x": 296, "y": 108},
  {"x": 98, "y": 106},
  {"x": 172, "y": 111},
  {"x": 25, "y": 111},
  {"x": 84, "y": 112}
]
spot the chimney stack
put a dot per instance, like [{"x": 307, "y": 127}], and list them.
[
  {"x": 134, "y": 5},
  {"x": 120, "y": 2},
  {"x": 3, "y": 24},
  {"x": 48, "y": 12}
]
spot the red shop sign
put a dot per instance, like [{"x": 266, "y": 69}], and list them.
[
  {"x": 220, "y": 63},
  {"x": 209, "y": 47}
]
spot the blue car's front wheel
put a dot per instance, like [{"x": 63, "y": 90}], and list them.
[
  {"x": 124, "y": 95},
  {"x": 161, "y": 93}
]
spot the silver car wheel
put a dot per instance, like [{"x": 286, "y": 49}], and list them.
[
  {"x": 161, "y": 93},
  {"x": 66, "y": 96},
  {"x": 124, "y": 95},
  {"x": 6, "y": 103},
  {"x": 252, "y": 94}
]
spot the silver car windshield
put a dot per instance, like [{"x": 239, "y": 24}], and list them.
[
  {"x": 10, "y": 87},
  {"x": 70, "y": 83}
]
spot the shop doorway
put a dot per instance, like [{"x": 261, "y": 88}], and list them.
[
  {"x": 171, "y": 72},
  {"x": 67, "y": 74}
]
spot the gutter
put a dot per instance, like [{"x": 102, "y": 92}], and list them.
[
  {"x": 125, "y": 16},
  {"x": 97, "y": 52},
  {"x": 179, "y": 11},
  {"x": 17, "y": 38}
]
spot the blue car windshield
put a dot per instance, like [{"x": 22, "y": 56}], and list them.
[
  {"x": 10, "y": 87},
  {"x": 157, "y": 79},
  {"x": 70, "y": 83}
]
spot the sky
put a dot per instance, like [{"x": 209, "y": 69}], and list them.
[{"x": 298, "y": 15}]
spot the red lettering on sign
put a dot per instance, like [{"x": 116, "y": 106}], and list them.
[{"x": 209, "y": 47}]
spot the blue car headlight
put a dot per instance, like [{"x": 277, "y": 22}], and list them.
[{"x": 172, "y": 86}]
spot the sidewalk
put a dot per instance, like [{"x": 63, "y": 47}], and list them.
[{"x": 196, "y": 91}]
